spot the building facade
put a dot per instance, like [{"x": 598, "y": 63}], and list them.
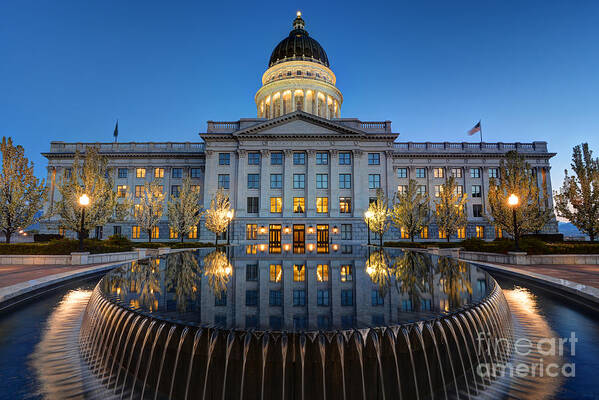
[{"x": 299, "y": 176}]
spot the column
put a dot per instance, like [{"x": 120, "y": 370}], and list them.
[
  {"x": 389, "y": 175},
  {"x": 293, "y": 105},
  {"x": 310, "y": 184},
  {"x": 334, "y": 184},
  {"x": 280, "y": 103},
  {"x": 288, "y": 184},
  {"x": 264, "y": 183},
  {"x": 360, "y": 195},
  {"x": 328, "y": 109},
  {"x": 240, "y": 185}
]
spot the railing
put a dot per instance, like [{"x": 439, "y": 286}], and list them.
[
  {"x": 61, "y": 147},
  {"x": 376, "y": 126},
  {"x": 222, "y": 127},
  {"x": 538, "y": 147}
]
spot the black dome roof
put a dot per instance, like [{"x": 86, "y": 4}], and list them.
[{"x": 298, "y": 46}]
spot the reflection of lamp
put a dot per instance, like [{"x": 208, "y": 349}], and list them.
[
  {"x": 335, "y": 230},
  {"x": 335, "y": 247},
  {"x": 513, "y": 201},
  {"x": 262, "y": 247},
  {"x": 286, "y": 247},
  {"x": 287, "y": 230},
  {"x": 262, "y": 230},
  {"x": 83, "y": 202},
  {"x": 310, "y": 229},
  {"x": 311, "y": 247}
]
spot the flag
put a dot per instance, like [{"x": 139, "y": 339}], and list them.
[
  {"x": 475, "y": 129},
  {"x": 116, "y": 130}
]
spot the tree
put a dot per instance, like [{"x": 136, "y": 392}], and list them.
[
  {"x": 184, "y": 212},
  {"x": 578, "y": 198},
  {"x": 89, "y": 175},
  {"x": 450, "y": 209},
  {"x": 410, "y": 210},
  {"x": 150, "y": 208},
  {"x": 376, "y": 217},
  {"x": 21, "y": 193},
  {"x": 517, "y": 178},
  {"x": 218, "y": 216}
]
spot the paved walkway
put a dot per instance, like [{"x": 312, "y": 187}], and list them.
[
  {"x": 584, "y": 274},
  {"x": 13, "y": 274}
]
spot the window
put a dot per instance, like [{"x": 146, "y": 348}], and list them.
[
  {"x": 442, "y": 234},
  {"x": 121, "y": 190},
  {"x": 177, "y": 173},
  {"x": 401, "y": 189},
  {"x": 459, "y": 190},
  {"x": 299, "y": 297},
  {"x": 323, "y": 322},
  {"x": 276, "y": 158},
  {"x": 299, "y": 181},
  {"x": 251, "y": 272},
  {"x": 276, "y": 181},
  {"x": 474, "y": 172},
  {"x": 345, "y": 158},
  {"x": 67, "y": 172},
  {"x": 476, "y": 191},
  {"x": 376, "y": 298},
  {"x": 172, "y": 234},
  {"x": 116, "y": 230},
  {"x": 322, "y": 238},
  {"x": 251, "y": 249},
  {"x": 175, "y": 189},
  {"x": 344, "y": 181},
  {"x": 421, "y": 189},
  {"x": 347, "y": 321},
  {"x": 402, "y": 172},
  {"x": 252, "y": 205},
  {"x": 480, "y": 232},
  {"x": 322, "y": 273},
  {"x": 276, "y": 204},
  {"x": 299, "y": 205},
  {"x": 275, "y": 273},
  {"x": 193, "y": 232},
  {"x": 251, "y": 298},
  {"x": 300, "y": 322},
  {"x": 251, "y": 321},
  {"x": 224, "y": 158},
  {"x": 155, "y": 232},
  {"x": 322, "y": 158},
  {"x": 276, "y": 322},
  {"x": 299, "y": 158},
  {"x": 347, "y": 297},
  {"x": 345, "y": 205},
  {"x": 374, "y": 159},
  {"x": 420, "y": 172},
  {"x": 135, "y": 230},
  {"x": 438, "y": 190},
  {"x": 158, "y": 172},
  {"x": 374, "y": 181},
  {"x": 254, "y": 158},
  {"x": 424, "y": 232},
  {"x": 299, "y": 273},
  {"x": 251, "y": 231},
  {"x": 221, "y": 299},
  {"x": 323, "y": 297},
  {"x": 140, "y": 172},
  {"x": 123, "y": 173},
  {"x": 322, "y": 205},
  {"x": 494, "y": 173},
  {"x": 438, "y": 173},
  {"x": 274, "y": 298},
  {"x": 406, "y": 306},
  {"x": 456, "y": 172},
  {"x": 136, "y": 210},
  {"x": 322, "y": 181},
  {"x": 253, "y": 181},
  {"x": 347, "y": 274},
  {"x": 139, "y": 189},
  {"x": 194, "y": 172},
  {"x": 274, "y": 238},
  {"x": 299, "y": 235},
  {"x": 461, "y": 233},
  {"x": 477, "y": 210},
  {"x": 346, "y": 231}
]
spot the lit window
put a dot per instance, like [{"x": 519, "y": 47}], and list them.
[
  {"x": 322, "y": 204},
  {"x": 322, "y": 181},
  {"x": 442, "y": 234},
  {"x": 140, "y": 172},
  {"x": 347, "y": 274},
  {"x": 158, "y": 172},
  {"x": 438, "y": 172},
  {"x": 374, "y": 181},
  {"x": 172, "y": 234},
  {"x": 299, "y": 181},
  {"x": 138, "y": 191},
  {"x": 404, "y": 233},
  {"x": 480, "y": 232},
  {"x": 461, "y": 233},
  {"x": 299, "y": 273},
  {"x": 276, "y": 204},
  {"x": 402, "y": 172},
  {"x": 459, "y": 190},
  {"x": 251, "y": 231},
  {"x": 374, "y": 159},
  {"x": 193, "y": 232},
  {"x": 438, "y": 190},
  {"x": 345, "y": 205},
  {"x": 498, "y": 233},
  {"x": 401, "y": 189},
  {"x": 299, "y": 205},
  {"x": 155, "y": 232},
  {"x": 424, "y": 233},
  {"x": 275, "y": 273},
  {"x": 322, "y": 273},
  {"x": 251, "y": 249},
  {"x": 344, "y": 181},
  {"x": 224, "y": 158},
  {"x": 456, "y": 172}
]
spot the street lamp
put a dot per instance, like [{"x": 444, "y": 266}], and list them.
[
  {"x": 83, "y": 202},
  {"x": 367, "y": 216},
  {"x": 230, "y": 215},
  {"x": 513, "y": 202}
]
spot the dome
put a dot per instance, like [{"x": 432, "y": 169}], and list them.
[{"x": 298, "y": 46}]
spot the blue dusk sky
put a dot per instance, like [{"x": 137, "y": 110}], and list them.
[{"x": 528, "y": 69}]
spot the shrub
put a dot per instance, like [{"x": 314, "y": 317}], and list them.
[{"x": 46, "y": 237}]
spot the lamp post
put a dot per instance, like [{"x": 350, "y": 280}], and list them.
[
  {"x": 367, "y": 217},
  {"x": 83, "y": 202},
  {"x": 230, "y": 215},
  {"x": 513, "y": 201}
]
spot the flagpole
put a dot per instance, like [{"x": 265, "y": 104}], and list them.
[{"x": 480, "y": 123}]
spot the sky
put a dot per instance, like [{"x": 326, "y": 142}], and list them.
[{"x": 528, "y": 69}]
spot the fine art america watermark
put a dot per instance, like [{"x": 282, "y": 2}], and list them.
[{"x": 547, "y": 353}]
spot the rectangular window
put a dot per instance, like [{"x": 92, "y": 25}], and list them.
[
  {"x": 251, "y": 321},
  {"x": 299, "y": 181},
  {"x": 276, "y": 181},
  {"x": 374, "y": 181},
  {"x": 420, "y": 172},
  {"x": 424, "y": 232},
  {"x": 299, "y": 297},
  {"x": 459, "y": 190},
  {"x": 251, "y": 298},
  {"x": 299, "y": 273},
  {"x": 322, "y": 181},
  {"x": 193, "y": 232},
  {"x": 274, "y": 238},
  {"x": 300, "y": 322},
  {"x": 376, "y": 298},
  {"x": 442, "y": 234},
  {"x": 494, "y": 173},
  {"x": 123, "y": 173},
  {"x": 68, "y": 172},
  {"x": 177, "y": 173},
  {"x": 274, "y": 298},
  {"x": 476, "y": 192},
  {"x": 438, "y": 190},
  {"x": 347, "y": 274},
  {"x": 344, "y": 181},
  {"x": 421, "y": 189},
  {"x": 345, "y": 205},
  {"x": 322, "y": 158},
  {"x": 299, "y": 158},
  {"x": 276, "y": 204},
  {"x": 461, "y": 233},
  {"x": 456, "y": 172},
  {"x": 480, "y": 232},
  {"x": 346, "y": 231},
  {"x": 299, "y": 235},
  {"x": 140, "y": 172},
  {"x": 254, "y": 158},
  {"x": 323, "y": 297},
  {"x": 194, "y": 172},
  {"x": 347, "y": 297},
  {"x": 251, "y": 272},
  {"x": 224, "y": 158},
  {"x": 401, "y": 189},
  {"x": 275, "y": 273},
  {"x": 139, "y": 189},
  {"x": 116, "y": 230},
  {"x": 252, "y": 205},
  {"x": 253, "y": 181},
  {"x": 474, "y": 172},
  {"x": 404, "y": 233},
  {"x": 135, "y": 230},
  {"x": 251, "y": 249},
  {"x": 220, "y": 300},
  {"x": 251, "y": 231},
  {"x": 276, "y": 158},
  {"x": 347, "y": 321},
  {"x": 299, "y": 205},
  {"x": 438, "y": 172},
  {"x": 172, "y": 234},
  {"x": 477, "y": 210},
  {"x": 402, "y": 172},
  {"x": 121, "y": 190},
  {"x": 406, "y": 306},
  {"x": 322, "y": 238},
  {"x": 322, "y": 273},
  {"x": 136, "y": 210},
  {"x": 322, "y": 205},
  {"x": 276, "y": 322},
  {"x": 374, "y": 159},
  {"x": 344, "y": 158},
  {"x": 155, "y": 232},
  {"x": 175, "y": 189},
  {"x": 323, "y": 322},
  {"x": 159, "y": 172}
]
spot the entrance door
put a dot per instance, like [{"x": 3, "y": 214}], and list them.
[
  {"x": 299, "y": 239},
  {"x": 274, "y": 238},
  {"x": 322, "y": 238}
]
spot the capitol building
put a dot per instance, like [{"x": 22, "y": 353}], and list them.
[{"x": 300, "y": 175}]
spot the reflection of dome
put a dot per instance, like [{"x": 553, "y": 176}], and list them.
[{"x": 298, "y": 46}]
